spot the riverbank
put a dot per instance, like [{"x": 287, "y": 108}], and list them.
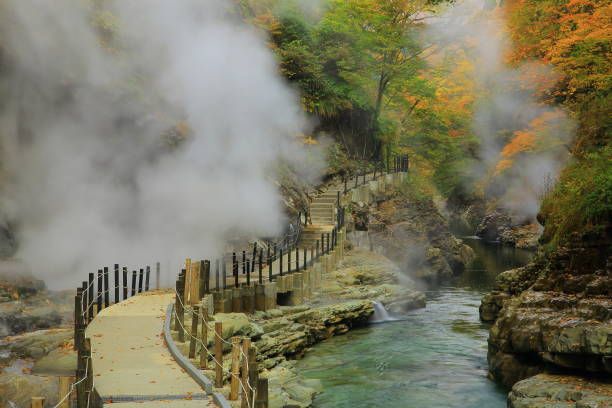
[
  {"x": 344, "y": 302},
  {"x": 35, "y": 337},
  {"x": 434, "y": 356},
  {"x": 554, "y": 316}
]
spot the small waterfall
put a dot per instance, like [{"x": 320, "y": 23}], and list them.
[{"x": 380, "y": 314}]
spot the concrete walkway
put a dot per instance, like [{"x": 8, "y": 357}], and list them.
[{"x": 131, "y": 362}]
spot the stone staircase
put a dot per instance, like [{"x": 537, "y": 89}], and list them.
[{"x": 323, "y": 213}]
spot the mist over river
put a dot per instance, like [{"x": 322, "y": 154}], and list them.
[{"x": 435, "y": 357}]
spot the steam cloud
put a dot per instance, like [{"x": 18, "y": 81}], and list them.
[
  {"x": 511, "y": 104},
  {"x": 88, "y": 179}
]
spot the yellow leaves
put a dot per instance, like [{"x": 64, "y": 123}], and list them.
[{"x": 522, "y": 141}]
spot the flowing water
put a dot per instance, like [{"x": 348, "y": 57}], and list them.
[{"x": 433, "y": 357}]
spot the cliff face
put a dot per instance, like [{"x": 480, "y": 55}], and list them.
[
  {"x": 554, "y": 315},
  {"x": 414, "y": 235}
]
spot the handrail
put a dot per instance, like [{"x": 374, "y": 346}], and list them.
[{"x": 91, "y": 299}]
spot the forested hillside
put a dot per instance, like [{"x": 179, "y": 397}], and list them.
[{"x": 494, "y": 124}]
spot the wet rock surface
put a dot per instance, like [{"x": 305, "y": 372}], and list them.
[
  {"x": 21, "y": 379},
  {"x": 26, "y": 305},
  {"x": 499, "y": 226},
  {"x": 30, "y": 330},
  {"x": 414, "y": 235},
  {"x": 553, "y": 315},
  {"x": 560, "y": 391}
]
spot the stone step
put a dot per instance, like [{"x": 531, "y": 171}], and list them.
[{"x": 322, "y": 208}]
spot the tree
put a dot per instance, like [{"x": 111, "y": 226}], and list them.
[{"x": 371, "y": 50}]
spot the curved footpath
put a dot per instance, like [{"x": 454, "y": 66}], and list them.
[
  {"x": 132, "y": 364},
  {"x": 131, "y": 361}
]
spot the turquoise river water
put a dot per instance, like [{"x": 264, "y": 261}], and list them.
[{"x": 434, "y": 357}]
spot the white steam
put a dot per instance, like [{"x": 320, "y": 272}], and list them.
[
  {"x": 89, "y": 180},
  {"x": 509, "y": 104}
]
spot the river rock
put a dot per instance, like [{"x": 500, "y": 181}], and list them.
[
  {"x": 17, "y": 388},
  {"x": 498, "y": 226},
  {"x": 238, "y": 324},
  {"x": 416, "y": 236},
  {"x": 560, "y": 391},
  {"x": 367, "y": 275},
  {"x": 555, "y": 313},
  {"x": 289, "y": 389}
]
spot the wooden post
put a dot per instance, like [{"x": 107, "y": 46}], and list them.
[
  {"x": 147, "y": 276},
  {"x": 253, "y": 374},
  {"x": 140, "y": 276},
  {"x": 80, "y": 374},
  {"x": 235, "y": 377},
  {"x": 195, "y": 315},
  {"x": 88, "y": 383},
  {"x": 78, "y": 299},
  {"x": 289, "y": 259},
  {"x": 204, "y": 338},
  {"x": 305, "y": 258},
  {"x": 260, "y": 266},
  {"x": 125, "y": 283},
  {"x": 243, "y": 262},
  {"x": 84, "y": 308},
  {"x": 64, "y": 389},
  {"x": 188, "y": 282},
  {"x": 269, "y": 266},
  {"x": 327, "y": 236},
  {"x": 246, "y": 345},
  {"x": 38, "y": 402},
  {"x": 90, "y": 297},
  {"x": 133, "y": 283},
  {"x": 297, "y": 259},
  {"x": 254, "y": 256},
  {"x": 248, "y": 272},
  {"x": 180, "y": 312},
  {"x": 261, "y": 395},
  {"x": 206, "y": 276},
  {"x": 201, "y": 281},
  {"x": 218, "y": 355},
  {"x": 157, "y": 274},
  {"x": 99, "y": 290},
  {"x": 235, "y": 269},
  {"x": 106, "y": 291},
  {"x": 116, "y": 269},
  {"x": 280, "y": 264},
  {"x": 224, "y": 269},
  {"x": 317, "y": 249}
]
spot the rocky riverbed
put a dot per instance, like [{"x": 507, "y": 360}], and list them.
[{"x": 35, "y": 337}]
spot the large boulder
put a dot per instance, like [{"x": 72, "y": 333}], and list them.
[
  {"x": 560, "y": 391},
  {"x": 416, "y": 236}
]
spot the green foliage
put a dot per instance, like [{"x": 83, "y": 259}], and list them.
[
  {"x": 417, "y": 188},
  {"x": 353, "y": 66},
  {"x": 582, "y": 199}
]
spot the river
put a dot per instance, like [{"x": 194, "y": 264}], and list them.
[{"x": 434, "y": 357}]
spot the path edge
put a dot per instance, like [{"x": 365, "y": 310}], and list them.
[{"x": 193, "y": 372}]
